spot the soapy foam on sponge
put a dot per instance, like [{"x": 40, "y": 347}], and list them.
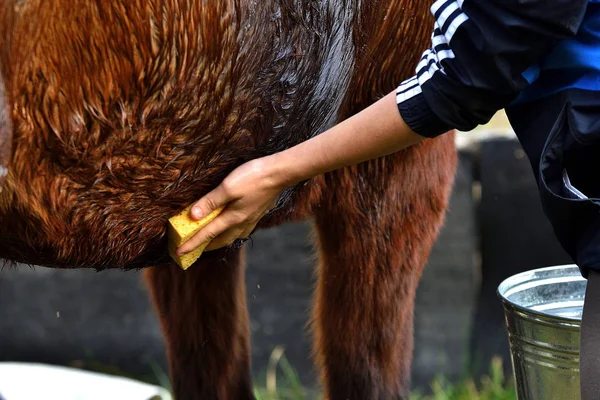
[{"x": 181, "y": 228}]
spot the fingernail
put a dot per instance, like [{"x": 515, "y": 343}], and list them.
[{"x": 196, "y": 212}]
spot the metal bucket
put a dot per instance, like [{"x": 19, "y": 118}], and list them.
[{"x": 543, "y": 317}]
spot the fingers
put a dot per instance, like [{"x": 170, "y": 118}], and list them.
[
  {"x": 225, "y": 239},
  {"x": 210, "y": 202},
  {"x": 221, "y": 232},
  {"x": 213, "y": 230},
  {"x": 228, "y": 237},
  {"x": 241, "y": 230}
]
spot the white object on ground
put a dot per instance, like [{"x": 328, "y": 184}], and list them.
[{"x": 26, "y": 381}]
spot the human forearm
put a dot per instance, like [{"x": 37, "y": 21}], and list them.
[{"x": 374, "y": 132}]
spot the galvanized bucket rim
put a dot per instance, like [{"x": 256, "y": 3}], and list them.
[{"x": 521, "y": 277}]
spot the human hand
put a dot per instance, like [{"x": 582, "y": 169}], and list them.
[{"x": 247, "y": 193}]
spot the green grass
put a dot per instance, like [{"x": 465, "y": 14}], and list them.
[
  {"x": 280, "y": 382},
  {"x": 494, "y": 386},
  {"x": 286, "y": 387}
]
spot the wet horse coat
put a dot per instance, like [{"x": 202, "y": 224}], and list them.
[{"x": 116, "y": 115}]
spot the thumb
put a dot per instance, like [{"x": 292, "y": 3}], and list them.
[{"x": 209, "y": 203}]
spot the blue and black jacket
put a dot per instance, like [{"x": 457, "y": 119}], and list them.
[{"x": 539, "y": 60}]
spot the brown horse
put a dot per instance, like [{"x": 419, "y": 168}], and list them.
[{"x": 115, "y": 115}]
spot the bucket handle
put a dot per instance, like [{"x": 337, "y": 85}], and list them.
[{"x": 589, "y": 355}]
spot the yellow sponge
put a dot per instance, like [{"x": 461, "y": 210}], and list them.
[{"x": 181, "y": 228}]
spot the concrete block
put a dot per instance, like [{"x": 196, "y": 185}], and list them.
[{"x": 78, "y": 318}]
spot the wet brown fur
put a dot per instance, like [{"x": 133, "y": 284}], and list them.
[{"x": 123, "y": 113}]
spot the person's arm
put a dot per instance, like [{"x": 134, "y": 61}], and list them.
[
  {"x": 376, "y": 131},
  {"x": 252, "y": 189},
  {"x": 477, "y": 64}
]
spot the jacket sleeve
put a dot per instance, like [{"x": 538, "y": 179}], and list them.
[{"x": 478, "y": 57}]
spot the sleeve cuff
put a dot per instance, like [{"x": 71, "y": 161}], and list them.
[{"x": 419, "y": 116}]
